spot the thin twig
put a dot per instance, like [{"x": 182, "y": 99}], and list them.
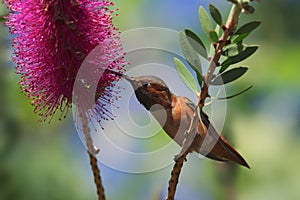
[
  {"x": 93, "y": 161},
  {"x": 175, "y": 176},
  {"x": 228, "y": 29},
  {"x": 97, "y": 177}
]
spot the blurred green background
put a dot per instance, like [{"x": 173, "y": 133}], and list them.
[{"x": 48, "y": 161}]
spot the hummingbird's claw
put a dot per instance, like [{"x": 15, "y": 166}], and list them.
[
  {"x": 96, "y": 150},
  {"x": 177, "y": 157}
]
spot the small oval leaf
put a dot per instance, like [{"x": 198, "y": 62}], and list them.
[
  {"x": 233, "y": 50},
  {"x": 239, "y": 38},
  {"x": 233, "y": 1},
  {"x": 238, "y": 58},
  {"x": 216, "y": 15},
  {"x": 199, "y": 75},
  {"x": 185, "y": 75},
  {"x": 247, "y": 28},
  {"x": 234, "y": 95},
  {"x": 189, "y": 53},
  {"x": 229, "y": 76},
  {"x": 213, "y": 36},
  {"x": 248, "y": 9},
  {"x": 196, "y": 43},
  {"x": 199, "y": 78},
  {"x": 205, "y": 21}
]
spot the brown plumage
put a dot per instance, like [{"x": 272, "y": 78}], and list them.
[{"x": 174, "y": 113}]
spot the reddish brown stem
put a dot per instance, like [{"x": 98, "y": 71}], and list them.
[
  {"x": 93, "y": 161},
  {"x": 227, "y": 31},
  {"x": 175, "y": 176},
  {"x": 97, "y": 177}
]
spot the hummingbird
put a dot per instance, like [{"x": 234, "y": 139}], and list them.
[{"x": 174, "y": 114}]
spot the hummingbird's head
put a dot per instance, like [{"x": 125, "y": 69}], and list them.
[{"x": 151, "y": 90}]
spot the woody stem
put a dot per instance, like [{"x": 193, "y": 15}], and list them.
[
  {"x": 175, "y": 176},
  {"x": 93, "y": 161},
  {"x": 228, "y": 29}
]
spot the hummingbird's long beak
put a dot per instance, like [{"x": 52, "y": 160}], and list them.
[{"x": 129, "y": 79}]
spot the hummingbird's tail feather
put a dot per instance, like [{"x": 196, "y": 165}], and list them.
[
  {"x": 221, "y": 150},
  {"x": 227, "y": 153}
]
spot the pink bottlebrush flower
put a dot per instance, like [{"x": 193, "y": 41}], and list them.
[{"x": 51, "y": 39}]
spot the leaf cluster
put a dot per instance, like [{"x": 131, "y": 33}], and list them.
[{"x": 234, "y": 51}]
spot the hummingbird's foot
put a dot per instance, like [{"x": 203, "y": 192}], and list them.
[
  {"x": 177, "y": 157},
  {"x": 96, "y": 150}
]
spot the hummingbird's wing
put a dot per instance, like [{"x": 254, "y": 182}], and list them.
[
  {"x": 187, "y": 108},
  {"x": 204, "y": 138},
  {"x": 219, "y": 148}
]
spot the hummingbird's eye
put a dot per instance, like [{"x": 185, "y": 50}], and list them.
[{"x": 145, "y": 84}]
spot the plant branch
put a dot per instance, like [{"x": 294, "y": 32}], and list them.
[
  {"x": 175, "y": 177},
  {"x": 93, "y": 161},
  {"x": 228, "y": 29}
]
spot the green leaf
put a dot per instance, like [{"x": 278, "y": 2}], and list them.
[
  {"x": 186, "y": 75},
  {"x": 233, "y": 49},
  {"x": 199, "y": 78},
  {"x": 247, "y": 9},
  {"x": 238, "y": 58},
  {"x": 216, "y": 15},
  {"x": 233, "y": 1},
  {"x": 229, "y": 76},
  {"x": 199, "y": 75},
  {"x": 205, "y": 21},
  {"x": 189, "y": 53},
  {"x": 232, "y": 96},
  {"x": 196, "y": 42},
  {"x": 247, "y": 28},
  {"x": 240, "y": 38},
  {"x": 191, "y": 56},
  {"x": 213, "y": 36}
]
